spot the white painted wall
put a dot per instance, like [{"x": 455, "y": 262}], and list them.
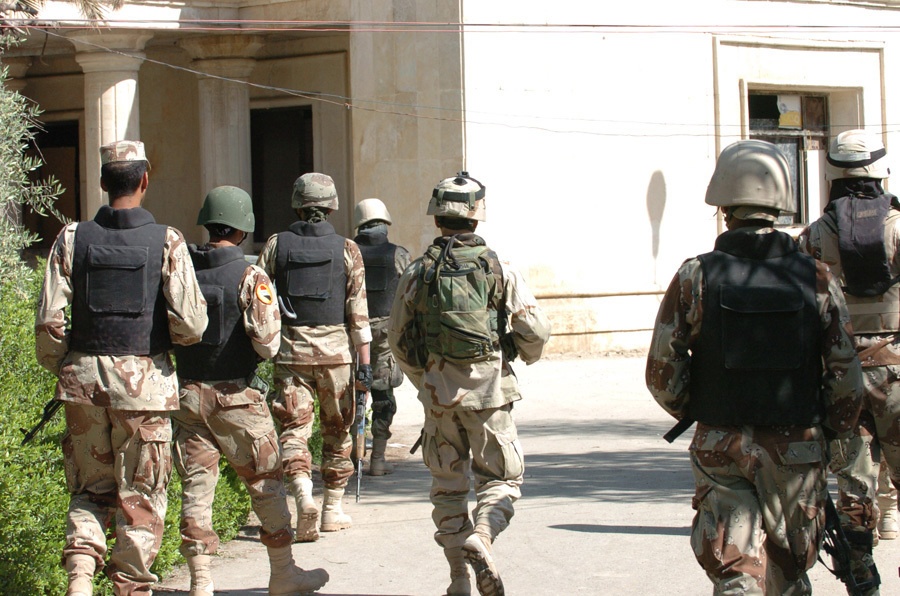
[{"x": 596, "y": 139}]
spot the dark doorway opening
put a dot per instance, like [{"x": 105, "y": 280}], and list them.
[
  {"x": 281, "y": 150},
  {"x": 57, "y": 146}
]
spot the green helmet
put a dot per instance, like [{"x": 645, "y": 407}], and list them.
[
  {"x": 314, "y": 190},
  {"x": 755, "y": 176},
  {"x": 460, "y": 196},
  {"x": 230, "y": 206}
]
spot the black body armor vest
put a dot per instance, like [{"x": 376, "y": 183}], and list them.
[
  {"x": 310, "y": 276},
  {"x": 758, "y": 358},
  {"x": 860, "y": 227},
  {"x": 381, "y": 274},
  {"x": 225, "y": 352},
  {"x": 118, "y": 307}
]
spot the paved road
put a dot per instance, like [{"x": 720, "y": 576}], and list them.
[{"x": 605, "y": 507}]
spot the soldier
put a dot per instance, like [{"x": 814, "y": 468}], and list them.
[
  {"x": 321, "y": 282},
  {"x": 223, "y": 402},
  {"x": 752, "y": 341},
  {"x": 858, "y": 237},
  {"x": 385, "y": 263},
  {"x": 133, "y": 293},
  {"x": 455, "y": 337}
]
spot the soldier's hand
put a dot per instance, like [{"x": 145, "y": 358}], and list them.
[
  {"x": 364, "y": 377},
  {"x": 508, "y": 347}
]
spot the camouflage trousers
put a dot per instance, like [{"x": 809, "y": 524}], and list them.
[
  {"x": 856, "y": 461},
  {"x": 297, "y": 388},
  {"x": 386, "y": 372},
  {"x": 227, "y": 418},
  {"x": 386, "y": 375},
  {"x": 117, "y": 463},
  {"x": 483, "y": 443},
  {"x": 384, "y": 406},
  {"x": 760, "y": 495}
]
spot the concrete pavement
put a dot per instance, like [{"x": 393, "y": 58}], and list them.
[{"x": 605, "y": 506}]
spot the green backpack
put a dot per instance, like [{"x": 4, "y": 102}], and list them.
[{"x": 458, "y": 300}]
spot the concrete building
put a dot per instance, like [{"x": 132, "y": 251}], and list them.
[{"x": 595, "y": 127}]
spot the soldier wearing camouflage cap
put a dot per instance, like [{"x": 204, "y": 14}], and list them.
[
  {"x": 751, "y": 343},
  {"x": 455, "y": 336},
  {"x": 858, "y": 237},
  {"x": 223, "y": 403},
  {"x": 133, "y": 295},
  {"x": 385, "y": 263},
  {"x": 320, "y": 278}
]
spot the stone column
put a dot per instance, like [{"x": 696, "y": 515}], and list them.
[
  {"x": 224, "y": 106},
  {"x": 111, "y": 105}
]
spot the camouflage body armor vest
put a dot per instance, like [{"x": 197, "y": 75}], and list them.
[
  {"x": 873, "y": 296},
  {"x": 310, "y": 274},
  {"x": 459, "y": 300},
  {"x": 118, "y": 307},
  {"x": 225, "y": 352},
  {"x": 758, "y": 356},
  {"x": 381, "y": 275}
]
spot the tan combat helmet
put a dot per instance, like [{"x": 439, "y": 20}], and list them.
[
  {"x": 857, "y": 154},
  {"x": 460, "y": 196},
  {"x": 314, "y": 190},
  {"x": 369, "y": 210},
  {"x": 753, "y": 176}
]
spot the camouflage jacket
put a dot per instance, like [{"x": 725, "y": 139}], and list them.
[
  {"x": 262, "y": 320},
  {"x": 120, "y": 382},
  {"x": 326, "y": 344},
  {"x": 678, "y": 327},
  {"x": 820, "y": 240},
  {"x": 478, "y": 386}
]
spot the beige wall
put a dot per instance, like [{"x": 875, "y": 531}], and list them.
[{"x": 407, "y": 134}]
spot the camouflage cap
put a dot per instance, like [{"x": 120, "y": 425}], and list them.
[{"x": 123, "y": 151}]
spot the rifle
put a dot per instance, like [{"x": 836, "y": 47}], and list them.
[
  {"x": 682, "y": 425},
  {"x": 836, "y": 544},
  {"x": 361, "y": 397},
  {"x": 50, "y": 409}
]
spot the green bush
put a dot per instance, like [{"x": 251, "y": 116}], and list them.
[{"x": 33, "y": 496}]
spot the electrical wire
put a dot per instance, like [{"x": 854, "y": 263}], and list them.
[
  {"x": 580, "y": 125},
  {"x": 448, "y": 27}
]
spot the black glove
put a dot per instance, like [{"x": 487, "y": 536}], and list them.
[
  {"x": 364, "y": 375},
  {"x": 508, "y": 347}
]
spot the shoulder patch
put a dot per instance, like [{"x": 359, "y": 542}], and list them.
[{"x": 264, "y": 294}]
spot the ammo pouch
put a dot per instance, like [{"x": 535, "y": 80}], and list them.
[
  {"x": 117, "y": 279},
  {"x": 309, "y": 274}
]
